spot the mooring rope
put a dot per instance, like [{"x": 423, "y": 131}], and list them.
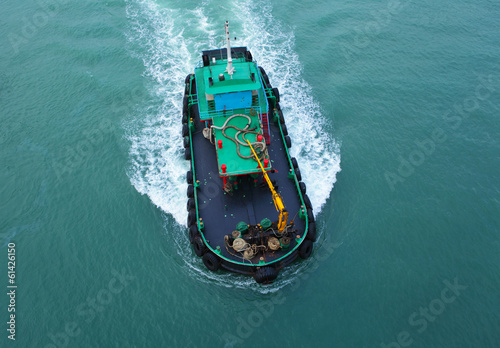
[{"x": 246, "y": 130}]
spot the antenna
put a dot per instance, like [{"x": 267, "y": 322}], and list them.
[{"x": 229, "y": 69}]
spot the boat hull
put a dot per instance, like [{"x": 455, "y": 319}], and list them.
[{"x": 215, "y": 213}]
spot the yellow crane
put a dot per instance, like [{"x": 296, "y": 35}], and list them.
[{"x": 278, "y": 202}]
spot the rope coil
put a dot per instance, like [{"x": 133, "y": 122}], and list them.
[
  {"x": 240, "y": 245},
  {"x": 257, "y": 145}
]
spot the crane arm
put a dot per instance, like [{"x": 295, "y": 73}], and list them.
[{"x": 278, "y": 202}]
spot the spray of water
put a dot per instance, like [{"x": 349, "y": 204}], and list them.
[{"x": 273, "y": 47}]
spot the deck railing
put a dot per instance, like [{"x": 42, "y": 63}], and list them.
[{"x": 206, "y": 115}]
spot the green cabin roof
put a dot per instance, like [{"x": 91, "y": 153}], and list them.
[{"x": 242, "y": 80}]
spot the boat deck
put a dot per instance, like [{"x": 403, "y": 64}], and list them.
[{"x": 251, "y": 202}]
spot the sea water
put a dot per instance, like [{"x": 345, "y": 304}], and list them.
[{"x": 392, "y": 107}]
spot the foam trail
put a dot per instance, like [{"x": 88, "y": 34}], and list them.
[
  {"x": 169, "y": 52},
  {"x": 317, "y": 153},
  {"x": 157, "y": 38}
]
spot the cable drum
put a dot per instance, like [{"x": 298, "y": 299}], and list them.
[
  {"x": 285, "y": 242},
  {"x": 273, "y": 243}
]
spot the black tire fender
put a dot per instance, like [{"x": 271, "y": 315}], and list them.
[
  {"x": 265, "y": 275},
  {"x": 191, "y": 204},
  {"x": 199, "y": 246},
  {"x": 307, "y": 202},
  {"x": 276, "y": 93},
  {"x": 185, "y": 130},
  {"x": 191, "y": 220},
  {"x": 288, "y": 141},
  {"x": 311, "y": 232},
  {"x": 193, "y": 233},
  {"x": 298, "y": 175},
  {"x": 310, "y": 215},
  {"x": 305, "y": 249},
  {"x": 264, "y": 76},
  {"x": 302, "y": 186},
  {"x": 211, "y": 261},
  {"x": 281, "y": 117},
  {"x": 187, "y": 153},
  {"x": 284, "y": 130},
  {"x": 189, "y": 177},
  {"x": 190, "y": 191}
]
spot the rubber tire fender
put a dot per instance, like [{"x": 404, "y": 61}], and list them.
[
  {"x": 305, "y": 249},
  {"x": 311, "y": 232},
  {"x": 190, "y": 191},
  {"x": 193, "y": 233},
  {"x": 310, "y": 215},
  {"x": 295, "y": 165},
  {"x": 186, "y": 142},
  {"x": 284, "y": 130},
  {"x": 211, "y": 261},
  {"x": 265, "y": 275},
  {"x": 191, "y": 204},
  {"x": 264, "y": 76},
  {"x": 288, "y": 141},
  {"x": 276, "y": 93},
  {"x": 307, "y": 202},
  {"x": 302, "y": 186},
  {"x": 187, "y": 153},
  {"x": 189, "y": 177},
  {"x": 191, "y": 220},
  {"x": 298, "y": 175},
  {"x": 281, "y": 117},
  {"x": 185, "y": 130},
  {"x": 199, "y": 246}
]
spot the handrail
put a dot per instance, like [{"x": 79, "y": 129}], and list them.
[{"x": 205, "y": 115}]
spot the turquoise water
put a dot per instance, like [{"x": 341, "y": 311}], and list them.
[{"x": 393, "y": 110}]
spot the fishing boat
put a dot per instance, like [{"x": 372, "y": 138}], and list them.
[{"x": 248, "y": 211}]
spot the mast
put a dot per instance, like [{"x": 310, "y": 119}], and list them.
[{"x": 229, "y": 68}]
